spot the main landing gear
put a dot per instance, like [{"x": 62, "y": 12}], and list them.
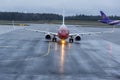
[
  {"x": 54, "y": 39},
  {"x": 71, "y": 40}
]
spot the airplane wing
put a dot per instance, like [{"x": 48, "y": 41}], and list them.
[
  {"x": 44, "y": 32},
  {"x": 92, "y": 33},
  {"x": 71, "y": 35}
]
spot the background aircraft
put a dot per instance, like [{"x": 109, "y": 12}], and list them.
[
  {"x": 107, "y": 20},
  {"x": 64, "y": 33}
]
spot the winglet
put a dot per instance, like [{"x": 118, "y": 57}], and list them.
[{"x": 13, "y": 23}]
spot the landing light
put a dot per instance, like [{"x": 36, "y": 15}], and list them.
[{"x": 63, "y": 41}]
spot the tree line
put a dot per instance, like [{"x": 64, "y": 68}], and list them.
[{"x": 47, "y": 16}]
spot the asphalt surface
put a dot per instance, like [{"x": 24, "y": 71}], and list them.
[{"x": 26, "y": 55}]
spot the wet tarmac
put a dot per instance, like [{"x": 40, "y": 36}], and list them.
[{"x": 26, "y": 55}]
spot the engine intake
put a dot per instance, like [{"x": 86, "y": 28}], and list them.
[
  {"x": 77, "y": 38},
  {"x": 47, "y": 36}
]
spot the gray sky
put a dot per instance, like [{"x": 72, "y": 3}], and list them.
[{"x": 72, "y": 7}]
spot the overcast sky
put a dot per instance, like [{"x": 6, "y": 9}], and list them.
[{"x": 72, "y": 7}]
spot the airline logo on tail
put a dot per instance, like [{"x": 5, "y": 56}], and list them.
[
  {"x": 106, "y": 19},
  {"x": 103, "y": 15}
]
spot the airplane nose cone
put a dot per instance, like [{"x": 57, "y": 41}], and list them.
[{"x": 64, "y": 36}]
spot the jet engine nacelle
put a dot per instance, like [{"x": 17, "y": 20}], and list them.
[
  {"x": 48, "y": 36},
  {"x": 77, "y": 38}
]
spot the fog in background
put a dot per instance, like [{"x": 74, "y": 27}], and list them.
[{"x": 72, "y": 7}]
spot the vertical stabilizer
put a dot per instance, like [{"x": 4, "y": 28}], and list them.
[
  {"x": 104, "y": 17},
  {"x": 63, "y": 18}
]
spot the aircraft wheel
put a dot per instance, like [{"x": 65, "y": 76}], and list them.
[
  {"x": 54, "y": 39},
  {"x": 71, "y": 40}
]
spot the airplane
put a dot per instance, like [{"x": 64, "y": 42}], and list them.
[
  {"x": 107, "y": 20},
  {"x": 64, "y": 33}
]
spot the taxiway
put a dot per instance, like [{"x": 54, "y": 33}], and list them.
[{"x": 26, "y": 55}]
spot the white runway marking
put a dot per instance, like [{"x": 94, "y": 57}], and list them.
[{"x": 8, "y": 47}]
